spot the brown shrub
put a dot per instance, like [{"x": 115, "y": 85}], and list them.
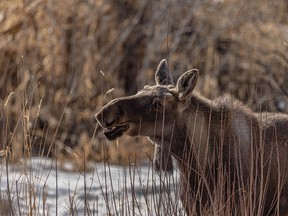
[{"x": 59, "y": 59}]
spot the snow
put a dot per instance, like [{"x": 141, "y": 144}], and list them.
[{"x": 39, "y": 187}]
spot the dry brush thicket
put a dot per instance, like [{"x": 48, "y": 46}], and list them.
[{"x": 60, "y": 58}]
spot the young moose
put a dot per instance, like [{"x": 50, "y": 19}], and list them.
[{"x": 231, "y": 160}]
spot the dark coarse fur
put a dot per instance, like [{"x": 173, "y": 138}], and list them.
[{"x": 231, "y": 160}]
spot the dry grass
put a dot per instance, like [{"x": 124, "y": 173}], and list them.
[
  {"x": 57, "y": 65},
  {"x": 5, "y": 206},
  {"x": 59, "y": 59}
]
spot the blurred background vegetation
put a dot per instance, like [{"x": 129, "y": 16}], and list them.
[{"x": 60, "y": 61}]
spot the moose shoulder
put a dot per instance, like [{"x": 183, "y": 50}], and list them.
[{"x": 230, "y": 159}]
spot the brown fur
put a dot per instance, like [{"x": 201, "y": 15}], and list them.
[{"x": 226, "y": 154}]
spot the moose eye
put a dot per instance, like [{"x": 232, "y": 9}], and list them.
[{"x": 156, "y": 105}]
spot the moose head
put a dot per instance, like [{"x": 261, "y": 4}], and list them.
[{"x": 153, "y": 112}]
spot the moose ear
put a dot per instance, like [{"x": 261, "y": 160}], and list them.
[
  {"x": 162, "y": 74},
  {"x": 186, "y": 83}
]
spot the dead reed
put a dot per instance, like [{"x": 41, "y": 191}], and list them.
[
  {"x": 52, "y": 57},
  {"x": 57, "y": 66}
]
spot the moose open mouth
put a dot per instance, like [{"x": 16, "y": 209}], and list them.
[{"x": 116, "y": 131}]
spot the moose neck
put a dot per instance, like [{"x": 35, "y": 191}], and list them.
[{"x": 193, "y": 131}]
